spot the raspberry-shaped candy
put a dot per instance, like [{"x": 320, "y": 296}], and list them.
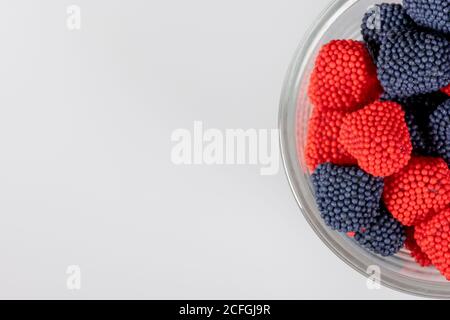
[
  {"x": 440, "y": 130},
  {"x": 414, "y": 250},
  {"x": 347, "y": 197},
  {"x": 446, "y": 90},
  {"x": 344, "y": 77},
  {"x": 378, "y": 137},
  {"x": 381, "y": 19},
  {"x": 434, "y": 14},
  {"x": 413, "y": 62},
  {"x": 421, "y": 187},
  {"x": 385, "y": 236},
  {"x": 322, "y": 143},
  {"x": 433, "y": 237}
]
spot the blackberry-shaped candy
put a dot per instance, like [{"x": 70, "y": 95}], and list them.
[
  {"x": 440, "y": 130},
  {"x": 419, "y": 137},
  {"x": 347, "y": 197},
  {"x": 418, "y": 110},
  {"x": 413, "y": 62},
  {"x": 381, "y": 19},
  {"x": 434, "y": 14},
  {"x": 385, "y": 236},
  {"x": 421, "y": 105}
]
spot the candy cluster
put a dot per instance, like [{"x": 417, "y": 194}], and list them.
[{"x": 378, "y": 144}]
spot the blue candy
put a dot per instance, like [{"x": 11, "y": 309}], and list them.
[
  {"x": 347, "y": 197},
  {"x": 418, "y": 110},
  {"x": 440, "y": 130},
  {"x": 381, "y": 19},
  {"x": 385, "y": 236},
  {"x": 413, "y": 62},
  {"x": 434, "y": 14},
  {"x": 419, "y": 137}
]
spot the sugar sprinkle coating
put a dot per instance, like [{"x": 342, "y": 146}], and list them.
[
  {"x": 422, "y": 105},
  {"x": 378, "y": 137},
  {"x": 413, "y": 62},
  {"x": 385, "y": 236},
  {"x": 381, "y": 19},
  {"x": 422, "y": 187},
  {"x": 414, "y": 250},
  {"x": 433, "y": 237},
  {"x": 344, "y": 77},
  {"x": 322, "y": 143},
  {"x": 347, "y": 197},
  {"x": 419, "y": 137},
  {"x": 440, "y": 130},
  {"x": 434, "y": 14},
  {"x": 417, "y": 114}
]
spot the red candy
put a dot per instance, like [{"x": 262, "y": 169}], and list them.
[
  {"x": 447, "y": 90},
  {"x": 433, "y": 237},
  {"x": 422, "y": 187},
  {"x": 378, "y": 137},
  {"x": 322, "y": 142},
  {"x": 344, "y": 77},
  {"x": 415, "y": 251}
]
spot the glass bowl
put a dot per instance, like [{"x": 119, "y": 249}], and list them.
[{"x": 341, "y": 20}]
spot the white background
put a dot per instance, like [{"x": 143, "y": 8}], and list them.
[{"x": 86, "y": 177}]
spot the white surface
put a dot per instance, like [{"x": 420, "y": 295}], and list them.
[{"x": 86, "y": 177}]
